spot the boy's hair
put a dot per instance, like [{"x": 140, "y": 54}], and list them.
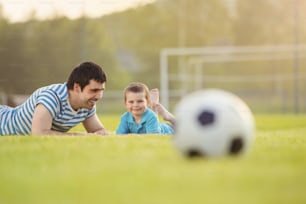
[
  {"x": 137, "y": 87},
  {"x": 85, "y": 72}
]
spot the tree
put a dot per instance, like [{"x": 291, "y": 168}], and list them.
[
  {"x": 141, "y": 33},
  {"x": 269, "y": 22}
]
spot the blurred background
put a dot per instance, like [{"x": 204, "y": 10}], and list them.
[{"x": 255, "y": 49}]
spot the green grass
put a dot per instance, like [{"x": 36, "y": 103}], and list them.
[{"x": 148, "y": 169}]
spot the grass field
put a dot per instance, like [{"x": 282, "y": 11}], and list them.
[{"x": 148, "y": 170}]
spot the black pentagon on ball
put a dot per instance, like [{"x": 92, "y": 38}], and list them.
[
  {"x": 194, "y": 153},
  {"x": 206, "y": 117},
  {"x": 236, "y": 145}
]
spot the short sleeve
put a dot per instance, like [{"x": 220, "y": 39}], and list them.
[
  {"x": 92, "y": 112},
  {"x": 50, "y": 101}
]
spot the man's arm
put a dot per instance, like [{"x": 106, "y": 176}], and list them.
[
  {"x": 42, "y": 122},
  {"x": 93, "y": 125}
]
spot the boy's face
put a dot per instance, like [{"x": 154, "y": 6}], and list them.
[{"x": 136, "y": 103}]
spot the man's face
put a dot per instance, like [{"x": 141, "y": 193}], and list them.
[{"x": 91, "y": 94}]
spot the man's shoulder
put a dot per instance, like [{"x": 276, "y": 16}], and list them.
[
  {"x": 51, "y": 95},
  {"x": 55, "y": 89}
]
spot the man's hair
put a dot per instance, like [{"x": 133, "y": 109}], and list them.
[
  {"x": 137, "y": 87},
  {"x": 85, "y": 72}
]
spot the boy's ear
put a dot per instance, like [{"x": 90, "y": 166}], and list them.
[{"x": 149, "y": 102}]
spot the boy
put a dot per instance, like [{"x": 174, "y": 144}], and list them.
[{"x": 139, "y": 118}]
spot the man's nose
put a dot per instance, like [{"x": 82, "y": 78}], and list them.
[{"x": 99, "y": 95}]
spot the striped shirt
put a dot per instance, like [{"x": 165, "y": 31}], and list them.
[{"x": 18, "y": 120}]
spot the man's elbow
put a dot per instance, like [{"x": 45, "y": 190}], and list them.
[
  {"x": 100, "y": 132},
  {"x": 40, "y": 132}
]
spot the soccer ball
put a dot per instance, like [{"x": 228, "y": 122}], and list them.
[{"x": 213, "y": 123}]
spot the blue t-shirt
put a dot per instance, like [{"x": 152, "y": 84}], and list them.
[
  {"x": 149, "y": 124},
  {"x": 18, "y": 120}
]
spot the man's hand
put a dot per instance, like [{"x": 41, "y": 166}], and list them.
[{"x": 93, "y": 125}]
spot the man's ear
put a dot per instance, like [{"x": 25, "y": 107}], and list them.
[{"x": 76, "y": 87}]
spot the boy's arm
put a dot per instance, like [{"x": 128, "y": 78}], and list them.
[
  {"x": 152, "y": 125},
  {"x": 122, "y": 128}
]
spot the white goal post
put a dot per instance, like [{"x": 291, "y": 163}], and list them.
[{"x": 197, "y": 56}]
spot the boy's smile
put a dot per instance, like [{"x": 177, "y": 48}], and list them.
[{"x": 136, "y": 103}]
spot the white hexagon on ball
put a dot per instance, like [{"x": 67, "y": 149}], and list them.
[{"x": 213, "y": 123}]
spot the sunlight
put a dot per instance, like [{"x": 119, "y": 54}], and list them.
[{"x": 20, "y": 11}]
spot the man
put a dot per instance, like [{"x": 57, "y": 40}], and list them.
[{"x": 54, "y": 109}]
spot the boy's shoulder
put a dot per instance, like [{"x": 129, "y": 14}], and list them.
[
  {"x": 149, "y": 113},
  {"x": 126, "y": 115}
]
